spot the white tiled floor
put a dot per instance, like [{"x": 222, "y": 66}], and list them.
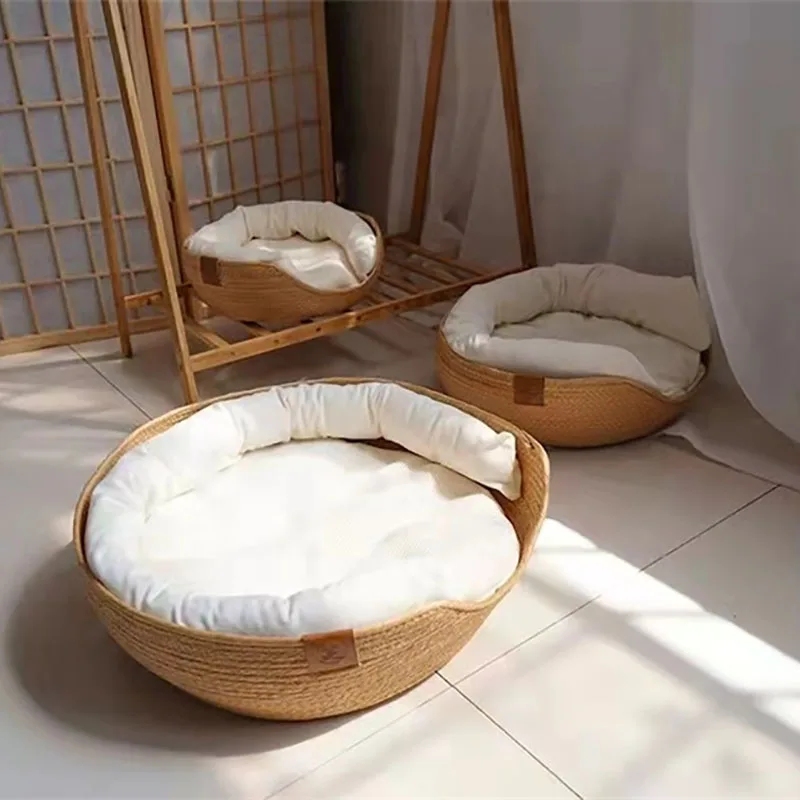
[{"x": 651, "y": 649}]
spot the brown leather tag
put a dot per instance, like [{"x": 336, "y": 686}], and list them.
[
  {"x": 529, "y": 390},
  {"x": 326, "y": 652},
  {"x": 208, "y": 269}
]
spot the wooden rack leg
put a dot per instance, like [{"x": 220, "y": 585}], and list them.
[
  {"x": 144, "y": 168},
  {"x": 516, "y": 142},
  {"x": 323, "y": 99},
  {"x": 433, "y": 87},
  {"x": 85, "y": 56},
  {"x": 513, "y": 120}
]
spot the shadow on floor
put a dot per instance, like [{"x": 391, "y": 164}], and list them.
[
  {"x": 679, "y": 730},
  {"x": 64, "y": 660}
]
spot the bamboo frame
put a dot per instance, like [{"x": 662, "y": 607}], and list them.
[
  {"x": 323, "y": 100},
  {"x": 57, "y": 288},
  {"x": 97, "y": 141},
  {"x": 427, "y": 134},
  {"x": 413, "y": 278},
  {"x": 516, "y": 143},
  {"x": 134, "y": 30},
  {"x": 216, "y": 80},
  {"x": 516, "y": 146},
  {"x": 168, "y": 131},
  {"x": 62, "y": 107},
  {"x": 144, "y": 167},
  {"x": 87, "y": 333},
  {"x": 372, "y": 310},
  {"x": 37, "y": 172}
]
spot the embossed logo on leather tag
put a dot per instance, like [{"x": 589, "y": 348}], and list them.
[
  {"x": 326, "y": 652},
  {"x": 529, "y": 390}
]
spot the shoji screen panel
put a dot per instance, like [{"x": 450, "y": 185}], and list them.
[
  {"x": 249, "y": 95},
  {"x": 53, "y": 272}
]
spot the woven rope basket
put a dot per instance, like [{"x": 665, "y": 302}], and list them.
[
  {"x": 568, "y": 412},
  {"x": 264, "y": 293},
  {"x": 317, "y": 676}
]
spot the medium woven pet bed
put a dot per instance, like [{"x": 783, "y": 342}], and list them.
[
  {"x": 565, "y": 411},
  {"x": 240, "y": 285},
  {"x": 331, "y": 673}
]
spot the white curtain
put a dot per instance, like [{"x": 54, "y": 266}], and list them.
[{"x": 664, "y": 136}]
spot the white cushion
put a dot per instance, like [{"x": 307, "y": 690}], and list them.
[
  {"x": 581, "y": 320},
  {"x": 320, "y": 244},
  {"x": 228, "y": 522}
]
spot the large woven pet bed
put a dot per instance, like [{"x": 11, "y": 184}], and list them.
[
  {"x": 309, "y": 550},
  {"x": 281, "y": 263},
  {"x": 578, "y": 355}
]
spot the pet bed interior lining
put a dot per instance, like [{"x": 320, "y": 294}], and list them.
[
  {"x": 577, "y": 320},
  {"x": 320, "y": 244},
  {"x": 210, "y": 526}
]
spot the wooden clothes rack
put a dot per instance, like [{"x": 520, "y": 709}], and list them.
[{"x": 413, "y": 277}]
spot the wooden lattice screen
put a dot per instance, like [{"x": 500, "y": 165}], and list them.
[
  {"x": 53, "y": 267},
  {"x": 241, "y": 89},
  {"x": 243, "y": 84}
]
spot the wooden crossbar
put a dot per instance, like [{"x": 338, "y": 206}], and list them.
[
  {"x": 395, "y": 295},
  {"x": 413, "y": 277}
]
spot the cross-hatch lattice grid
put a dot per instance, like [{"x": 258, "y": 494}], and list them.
[
  {"x": 246, "y": 97},
  {"x": 53, "y": 271},
  {"x": 244, "y": 81}
]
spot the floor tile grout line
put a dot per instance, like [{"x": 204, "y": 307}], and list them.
[
  {"x": 111, "y": 383},
  {"x": 448, "y": 687},
  {"x": 710, "y": 527},
  {"x": 669, "y": 440},
  {"x": 510, "y": 650},
  {"x": 516, "y": 741},
  {"x": 596, "y": 597},
  {"x": 449, "y": 684}
]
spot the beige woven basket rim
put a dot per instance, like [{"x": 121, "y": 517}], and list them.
[
  {"x": 578, "y": 383},
  {"x": 269, "y": 266},
  {"x": 81, "y": 514}
]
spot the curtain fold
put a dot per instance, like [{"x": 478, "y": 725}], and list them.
[
  {"x": 664, "y": 136},
  {"x": 744, "y": 179}
]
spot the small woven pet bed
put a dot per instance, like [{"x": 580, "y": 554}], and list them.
[
  {"x": 280, "y": 263},
  {"x": 309, "y": 550},
  {"x": 578, "y": 355}
]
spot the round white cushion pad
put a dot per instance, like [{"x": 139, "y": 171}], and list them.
[
  {"x": 245, "y": 519},
  {"x": 320, "y": 244},
  {"x": 567, "y": 344},
  {"x": 583, "y": 320},
  {"x": 326, "y": 535}
]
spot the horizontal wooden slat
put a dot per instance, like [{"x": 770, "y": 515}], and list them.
[
  {"x": 154, "y": 298},
  {"x": 241, "y": 80},
  {"x": 204, "y": 335},
  {"x": 236, "y": 21},
  {"x": 222, "y": 196},
  {"x": 39, "y": 341},
  {"x": 398, "y": 241},
  {"x": 246, "y": 137},
  {"x": 380, "y": 305}
]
